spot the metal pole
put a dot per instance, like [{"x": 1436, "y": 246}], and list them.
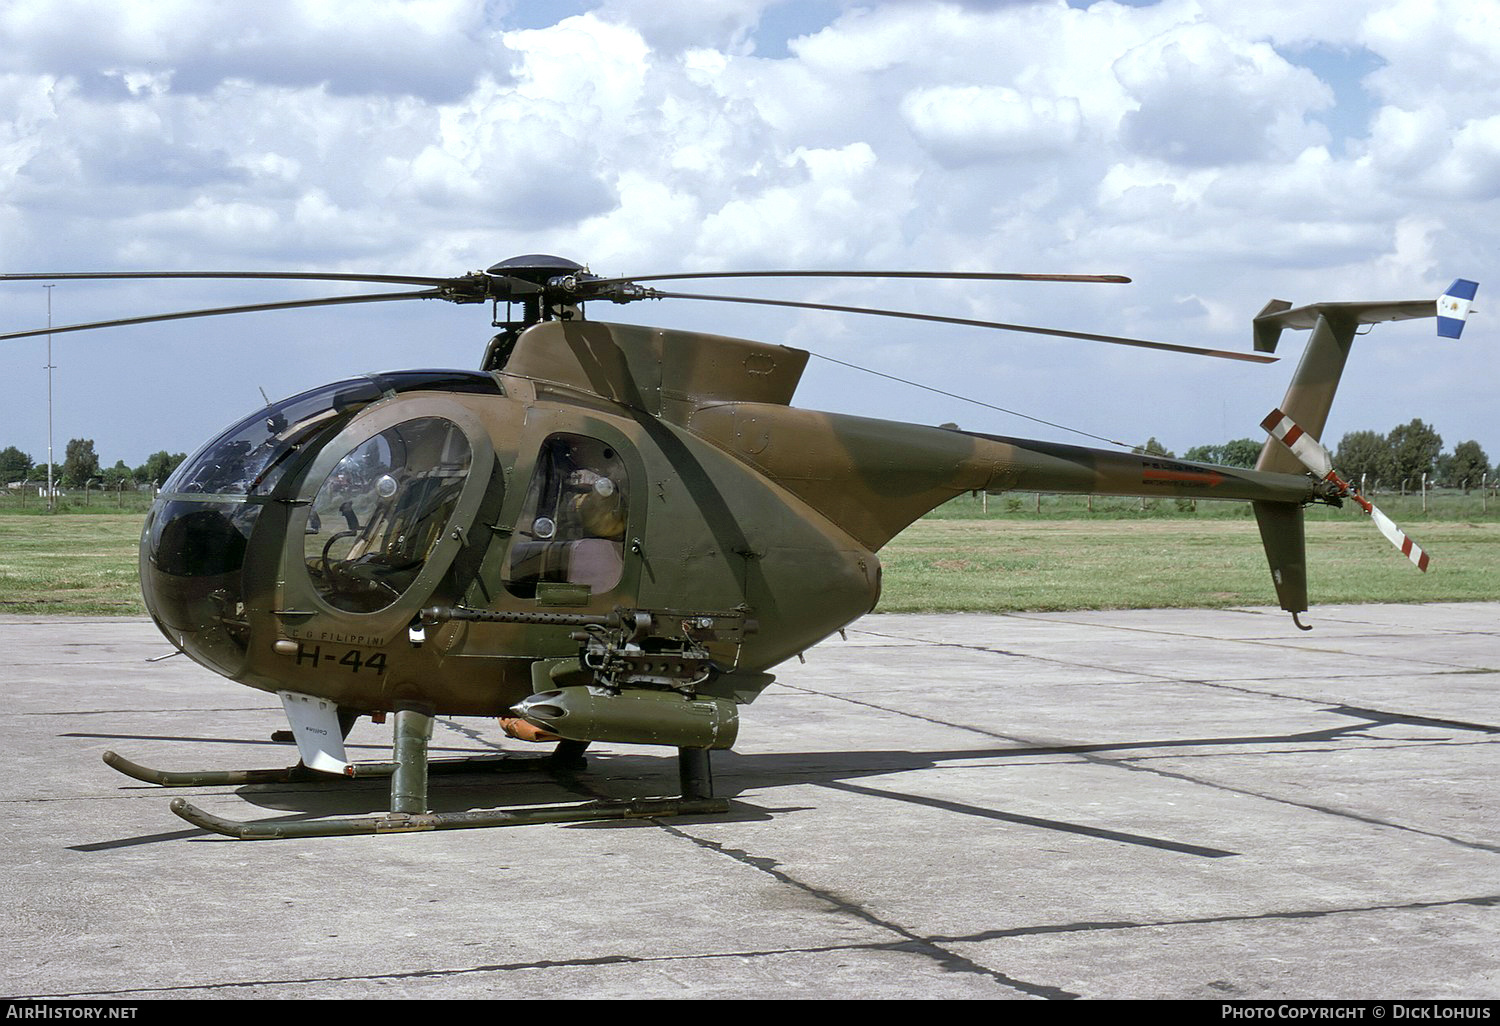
[{"x": 51, "y": 492}]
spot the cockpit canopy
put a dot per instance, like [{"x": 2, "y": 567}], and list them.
[{"x": 194, "y": 545}]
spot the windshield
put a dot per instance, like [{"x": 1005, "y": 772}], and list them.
[
  {"x": 250, "y": 457},
  {"x": 196, "y": 537}
]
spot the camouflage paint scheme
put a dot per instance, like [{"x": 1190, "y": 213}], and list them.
[{"x": 741, "y": 507}]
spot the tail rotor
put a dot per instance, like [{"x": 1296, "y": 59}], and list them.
[{"x": 1317, "y": 459}]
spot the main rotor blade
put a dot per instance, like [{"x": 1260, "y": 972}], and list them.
[
  {"x": 1109, "y": 279},
  {"x": 1223, "y": 354},
  {"x": 391, "y": 279},
  {"x": 379, "y": 297}
]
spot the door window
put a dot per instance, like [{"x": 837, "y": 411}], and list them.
[{"x": 572, "y": 524}]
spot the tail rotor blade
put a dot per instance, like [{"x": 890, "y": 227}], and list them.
[
  {"x": 1316, "y": 458},
  {"x": 1304, "y": 446},
  {"x": 1397, "y": 537}
]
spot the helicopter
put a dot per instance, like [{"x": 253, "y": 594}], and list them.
[{"x": 608, "y": 532}]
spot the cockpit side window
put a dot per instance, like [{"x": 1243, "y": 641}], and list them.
[
  {"x": 572, "y": 524},
  {"x": 382, "y": 510}
]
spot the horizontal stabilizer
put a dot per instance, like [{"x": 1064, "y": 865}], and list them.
[{"x": 1278, "y": 315}]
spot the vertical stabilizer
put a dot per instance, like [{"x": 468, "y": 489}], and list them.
[{"x": 1310, "y": 395}]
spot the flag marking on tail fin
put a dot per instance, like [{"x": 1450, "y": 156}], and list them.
[{"x": 1453, "y": 307}]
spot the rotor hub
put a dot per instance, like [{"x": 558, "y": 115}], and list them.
[{"x": 536, "y": 268}]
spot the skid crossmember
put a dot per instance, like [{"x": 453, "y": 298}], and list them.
[{"x": 409, "y": 772}]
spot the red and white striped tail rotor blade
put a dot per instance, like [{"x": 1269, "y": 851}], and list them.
[
  {"x": 1303, "y": 445},
  {"x": 1317, "y": 459},
  {"x": 1397, "y": 537}
]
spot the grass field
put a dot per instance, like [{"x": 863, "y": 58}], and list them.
[
  {"x": 957, "y": 559},
  {"x": 1002, "y": 554},
  {"x": 995, "y": 565},
  {"x": 70, "y": 563}
]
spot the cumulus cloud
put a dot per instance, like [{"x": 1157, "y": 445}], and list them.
[
  {"x": 428, "y": 48},
  {"x": 1207, "y": 99},
  {"x": 672, "y": 26},
  {"x": 1424, "y": 152},
  {"x": 1185, "y": 143},
  {"x": 968, "y": 124},
  {"x": 1436, "y": 52},
  {"x": 822, "y": 218}
]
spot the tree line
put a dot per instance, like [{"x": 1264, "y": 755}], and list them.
[
  {"x": 1394, "y": 461},
  {"x": 80, "y": 468}
]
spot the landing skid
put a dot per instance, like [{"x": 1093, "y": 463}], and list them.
[
  {"x": 208, "y": 778},
  {"x": 397, "y": 823},
  {"x": 409, "y": 772}
]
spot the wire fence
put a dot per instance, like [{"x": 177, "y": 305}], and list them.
[
  {"x": 32, "y": 498},
  {"x": 1435, "y": 504}
]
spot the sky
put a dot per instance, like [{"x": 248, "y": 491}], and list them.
[{"x": 1221, "y": 154}]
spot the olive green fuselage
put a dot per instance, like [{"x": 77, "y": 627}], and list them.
[{"x": 604, "y": 467}]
